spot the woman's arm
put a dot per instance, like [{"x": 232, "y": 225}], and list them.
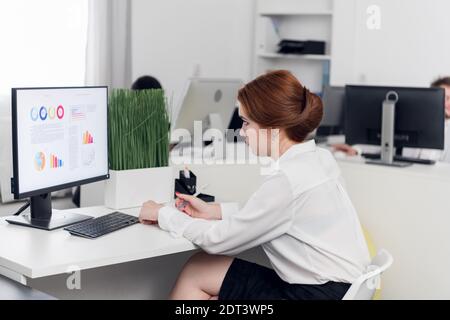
[
  {"x": 265, "y": 217},
  {"x": 197, "y": 208}
]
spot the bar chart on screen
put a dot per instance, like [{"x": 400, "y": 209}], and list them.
[
  {"x": 88, "y": 138},
  {"x": 55, "y": 162}
]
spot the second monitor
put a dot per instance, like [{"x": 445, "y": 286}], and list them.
[
  {"x": 210, "y": 101},
  {"x": 333, "y": 112},
  {"x": 419, "y": 116}
]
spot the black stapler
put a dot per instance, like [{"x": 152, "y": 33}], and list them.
[{"x": 187, "y": 184}]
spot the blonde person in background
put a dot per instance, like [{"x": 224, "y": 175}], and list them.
[{"x": 431, "y": 154}]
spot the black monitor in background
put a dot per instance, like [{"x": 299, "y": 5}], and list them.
[
  {"x": 235, "y": 125},
  {"x": 60, "y": 140},
  {"x": 419, "y": 116},
  {"x": 333, "y": 112}
]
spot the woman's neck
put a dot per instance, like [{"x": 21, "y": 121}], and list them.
[{"x": 284, "y": 145}]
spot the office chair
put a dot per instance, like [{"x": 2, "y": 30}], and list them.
[{"x": 365, "y": 286}]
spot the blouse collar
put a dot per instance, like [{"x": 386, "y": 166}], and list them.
[{"x": 298, "y": 148}]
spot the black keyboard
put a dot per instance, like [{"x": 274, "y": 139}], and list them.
[{"x": 101, "y": 226}]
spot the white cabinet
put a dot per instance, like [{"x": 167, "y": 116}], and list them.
[{"x": 294, "y": 20}]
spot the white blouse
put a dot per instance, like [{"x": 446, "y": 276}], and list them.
[{"x": 301, "y": 215}]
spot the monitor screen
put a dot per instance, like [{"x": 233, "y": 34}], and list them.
[
  {"x": 419, "y": 116},
  {"x": 333, "y": 111},
  {"x": 59, "y": 138},
  {"x": 205, "y": 96}
]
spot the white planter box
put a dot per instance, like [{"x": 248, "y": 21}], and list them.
[{"x": 131, "y": 188}]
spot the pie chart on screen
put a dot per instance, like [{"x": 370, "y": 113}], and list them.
[{"x": 39, "y": 161}]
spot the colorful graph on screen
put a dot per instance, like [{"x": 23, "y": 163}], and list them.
[
  {"x": 87, "y": 138},
  {"x": 55, "y": 162},
  {"x": 39, "y": 161},
  {"x": 45, "y": 113}
]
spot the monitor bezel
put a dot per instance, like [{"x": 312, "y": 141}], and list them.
[
  {"x": 351, "y": 140},
  {"x": 15, "y": 182}
]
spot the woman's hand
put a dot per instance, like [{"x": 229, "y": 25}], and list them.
[
  {"x": 149, "y": 212},
  {"x": 197, "y": 208},
  {"x": 348, "y": 150}
]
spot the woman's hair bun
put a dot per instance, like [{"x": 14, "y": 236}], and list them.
[{"x": 278, "y": 100}]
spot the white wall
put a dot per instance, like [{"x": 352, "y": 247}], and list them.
[
  {"x": 411, "y": 48},
  {"x": 5, "y": 148},
  {"x": 169, "y": 37}
]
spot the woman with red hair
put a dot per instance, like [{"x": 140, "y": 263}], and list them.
[{"x": 301, "y": 215}]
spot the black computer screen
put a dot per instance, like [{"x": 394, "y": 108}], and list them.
[
  {"x": 333, "y": 111},
  {"x": 419, "y": 116}
]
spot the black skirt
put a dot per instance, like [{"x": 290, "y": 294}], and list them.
[{"x": 249, "y": 281}]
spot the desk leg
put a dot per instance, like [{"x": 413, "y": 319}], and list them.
[{"x": 13, "y": 275}]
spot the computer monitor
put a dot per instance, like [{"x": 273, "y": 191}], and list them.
[
  {"x": 60, "y": 140},
  {"x": 333, "y": 111},
  {"x": 211, "y": 101},
  {"x": 419, "y": 116},
  {"x": 234, "y": 127}
]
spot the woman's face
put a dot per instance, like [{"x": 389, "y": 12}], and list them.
[
  {"x": 260, "y": 140},
  {"x": 447, "y": 101}
]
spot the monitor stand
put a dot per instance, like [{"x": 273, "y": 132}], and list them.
[
  {"x": 40, "y": 216},
  {"x": 398, "y": 164},
  {"x": 398, "y": 157},
  {"x": 387, "y": 134}
]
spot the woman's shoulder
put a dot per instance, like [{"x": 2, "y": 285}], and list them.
[{"x": 307, "y": 171}]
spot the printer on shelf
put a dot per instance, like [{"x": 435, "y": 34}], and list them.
[{"x": 301, "y": 47}]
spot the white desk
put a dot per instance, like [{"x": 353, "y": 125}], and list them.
[
  {"x": 406, "y": 211},
  {"x": 31, "y": 253},
  {"x": 27, "y": 254}
]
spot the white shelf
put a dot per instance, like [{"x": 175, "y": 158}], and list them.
[
  {"x": 294, "y": 13},
  {"x": 270, "y": 55},
  {"x": 293, "y": 19}
]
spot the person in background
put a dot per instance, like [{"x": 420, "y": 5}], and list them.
[
  {"x": 431, "y": 154},
  {"x": 146, "y": 82},
  {"x": 437, "y": 155}
]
